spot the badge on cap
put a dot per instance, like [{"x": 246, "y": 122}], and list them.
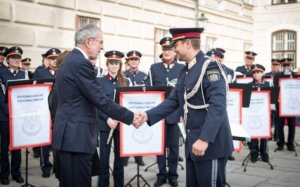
[{"x": 213, "y": 75}]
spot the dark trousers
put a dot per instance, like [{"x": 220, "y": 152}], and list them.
[
  {"x": 118, "y": 168},
  {"x": 255, "y": 148},
  {"x": 171, "y": 155},
  {"x": 36, "y": 151},
  {"x": 291, "y": 135},
  {"x": 75, "y": 169},
  {"x": 274, "y": 117},
  {"x": 15, "y": 155},
  {"x": 207, "y": 173},
  {"x": 45, "y": 164}
]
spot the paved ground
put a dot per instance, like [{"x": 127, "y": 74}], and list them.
[{"x": 286, "y": 171}]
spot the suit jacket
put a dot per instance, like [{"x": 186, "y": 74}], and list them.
[
  {"x": 211, "y": 125},
  {"x": 79, "y": 95}
]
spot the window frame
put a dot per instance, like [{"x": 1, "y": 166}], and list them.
[
  {"x": 285, "y": 31},
  {"x": 282, "y": 2},
  {"x": 87, "y": 17}
]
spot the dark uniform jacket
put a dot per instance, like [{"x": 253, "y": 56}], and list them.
[
  {"x": 244, "y": 71},
  {"x": 159, "y": 76},
  {"x": 229, "y": 73},
  {"x": 79, "y": 94},
  {"x": 137, "y": 79},
  {"x": 211, "y": 125},
  {"x": 260, "y": 85},
  {"x": 5, "y": 76},
  {"x": 43, "y": 73},
  {"x": 108, "y": 85}
]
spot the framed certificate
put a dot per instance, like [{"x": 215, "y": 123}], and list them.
[
  {"x": 145, "y": 140},
  {"x": 289, "y": 97},
  {"x": 29, "y": 116},
  {"x": 257, "y": 118}
]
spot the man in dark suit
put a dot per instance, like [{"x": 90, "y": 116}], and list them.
[
  {"x": 201, "y": 91},
  {"x": 79, "y": 94}
]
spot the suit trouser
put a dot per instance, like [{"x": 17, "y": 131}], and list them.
[
  {"x": 118, "y": 168},
  {"x": 206, "y": 173},
  {"x": 291, "y": 135},
  {"x": 172, "y": 134},
  {"x": 15, "y": 155},
  {"x": 75, "y": 169},
  {"x": 45, "y": 164}
]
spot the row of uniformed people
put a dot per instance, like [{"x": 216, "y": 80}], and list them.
[
  {"x": 278, "y": 67},
  {"x": 13, "y": 71},
  {"x": 161, "y": 74}
]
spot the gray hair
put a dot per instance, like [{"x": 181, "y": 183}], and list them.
[{"x": 86, "y": 31}]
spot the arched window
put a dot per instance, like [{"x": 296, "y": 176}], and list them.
[{"x": 284, "y": 45}]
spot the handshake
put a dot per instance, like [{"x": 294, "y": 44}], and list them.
[{"x": 139, "y": 119}]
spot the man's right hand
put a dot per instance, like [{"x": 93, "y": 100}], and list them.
[
  {"x": 139, "y": 119},
  {"x": 112, "y": 123}
]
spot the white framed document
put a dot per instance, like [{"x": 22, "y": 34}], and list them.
[
  {"x": 244, "y": 80},
  {"x": 234, "y": 112},
  {"x": 289, "y": 97},
  {"x": 257, "y": 118},
  {"x": 146, "y": 140},
  {"x": 29, "y": 116}
]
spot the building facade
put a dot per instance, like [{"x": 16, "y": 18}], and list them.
[
  {"x": 37, "y": 25},
  {"x": 276, "y": 30}
]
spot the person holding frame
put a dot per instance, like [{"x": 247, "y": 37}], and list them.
[
  {"x": 110, "y": 82},
  {"x": 12, "y": 72},
  {"x": 257, "y": 146},
  {"x": 287, "y": 67}
]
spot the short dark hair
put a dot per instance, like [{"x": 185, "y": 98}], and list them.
[{"x": 196, "y": 43}]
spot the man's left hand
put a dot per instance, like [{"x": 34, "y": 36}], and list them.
[{"x": 199, "y": 147}]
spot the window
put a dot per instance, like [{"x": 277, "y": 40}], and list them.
[
  {"x": 82, "y": 20},
  {"x": 277, "y": 2},
  {"x": 284, "y": 45},
  {"x": 158, "y": 35}
]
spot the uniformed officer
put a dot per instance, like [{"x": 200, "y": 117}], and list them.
[
  {"x": 109, "y": 83},
  {"x": 12, "y": 72},
  {"x": 256, "y": 149},
  {"x": 287, "y": 65},
  {"x": 2, "y": 58},
  {"x": 249, "y": 60},
  {"x": 48, "y": 72},
  {"x": 26, "y": 68},
  {"x": 166, "y": 73},
  {"x": 136, "y": 78},
  {"x": 275, "y": 67},
  {"x": 201, "y": 91}
]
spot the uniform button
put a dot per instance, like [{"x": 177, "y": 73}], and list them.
[
  {"x": 186, "y": 72},
  {"x": 188, "y": 130}
]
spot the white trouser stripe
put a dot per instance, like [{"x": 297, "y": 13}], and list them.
[{"x": 214, "y": 171}]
